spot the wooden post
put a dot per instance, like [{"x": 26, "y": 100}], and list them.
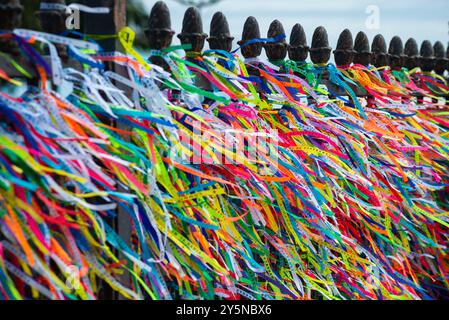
[
  {"x": 111, "y": 24},
  {"x": 105, "y": 24}
]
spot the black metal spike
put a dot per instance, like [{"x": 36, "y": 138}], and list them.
[
  {"x": 320, "y": 52},
  {"x": 379, "y": 50},
  {"x": 10, "y": 18},
  {"x": 427, "y": 56},
  {"x": 396, "y": 53},
  {"x": 159, "y": 32},
  {"x": 438, "y": 49},
  {"x": 220, "y": 36},
  {"x": 298, "y": 50},
  {"x": 411, "y": 59},
  {"x": 276, "y": 50},
  {"x": 251, "y": 31},
  {"x": 192, "y": 30},
  {"x": 362, "y": 49},
  {"x": 344, "y": 54},
  {"x": 440, "y": 58}
]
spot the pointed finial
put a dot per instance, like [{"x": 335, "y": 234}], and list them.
[
  {"x": 320, "y": 51},
  {"x": 344, "y": 54},
  {"x": 298, "y": 50},
  {"x": 159, "y": 32},
  {"x": 427, "y": 56},
  {"x": 362, "y": 48},
  {"x": 251, "y": 31},
  {"x": 220, "y": 36},
  {"x": 411, "y": 59},
  {"x": 438, "y": 49},
  {"x": 192, "y": 30},
  {"x": 379, "y": 50},
  {"x": 276, "y": 50},
  {"x": 440, "y": 58},
  {"x": 396, "y": 53}
]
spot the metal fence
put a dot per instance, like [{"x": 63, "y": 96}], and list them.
[{"x": 159, "y": 36}]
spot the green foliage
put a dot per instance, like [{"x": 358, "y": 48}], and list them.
[
  {"x": 198, "y": 3},
  {"x": 29, "y": 18},
  {"x": 137, "y": 19}
]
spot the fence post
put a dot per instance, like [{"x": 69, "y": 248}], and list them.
[
  {"x": 344, "y": 53},
  {"x": 192, "y": 31},
  {"x": 320, "y": 51},
  {"x": 298, "y": 50},
  {"x": 379, "y": 50},
  {"x": 362, "y": 54},
  {"x": 250, "y": 31},
  {"x": 446, "y": 66},
  {"x": 220, "y": 37},
  {"x": 440, "y": 58},
  {"x": 110, "y": 24},
  {"x": 411, "y": 59},
  {"x": 344, "y": 56},
  {"x": 159, "y": 33},
  {"x": 396, "y": 53},
  {"x": 427, "y": 56},
  {"x": 447, "y": 58},
  {"x": 276, "y": 51},
  {"x": 105, "y": 24}
]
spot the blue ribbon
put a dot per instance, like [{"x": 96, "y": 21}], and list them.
[{"x": 261, "y": 40}]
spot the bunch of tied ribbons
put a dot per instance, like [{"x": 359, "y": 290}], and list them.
[{"x": 340, "y": 201}]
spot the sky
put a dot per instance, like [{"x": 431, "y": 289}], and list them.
[{"x": 421, "y": 19}]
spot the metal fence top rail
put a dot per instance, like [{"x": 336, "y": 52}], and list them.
[{"x": 159, "y": 34}]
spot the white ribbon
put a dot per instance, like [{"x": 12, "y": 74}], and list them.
[
  {"x": 75, "y": 6},
  {"x": 25, "y": 33}
]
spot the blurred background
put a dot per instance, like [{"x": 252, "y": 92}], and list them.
[{"x": 421, "y": 19}]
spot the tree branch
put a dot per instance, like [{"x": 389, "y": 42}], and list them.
[{"x": 198, "y": 3}]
